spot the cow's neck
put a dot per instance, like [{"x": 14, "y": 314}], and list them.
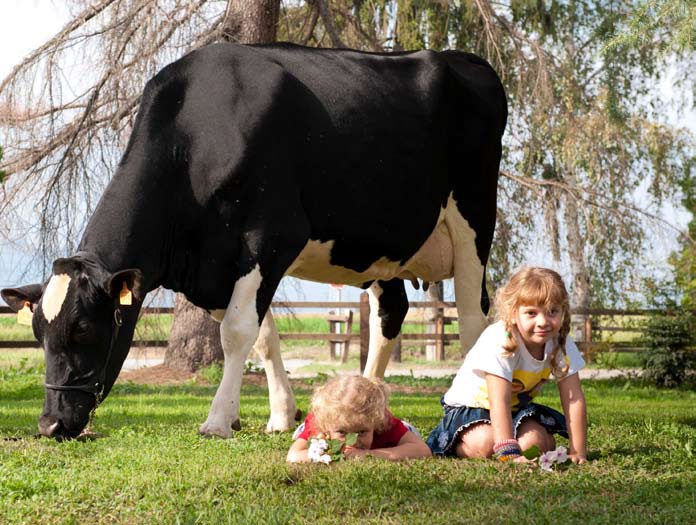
[{"x": 126, "y": 232}]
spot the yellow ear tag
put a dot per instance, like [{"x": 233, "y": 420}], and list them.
[
  {"x": 125, "y": 297},
  {"x": 24, "y": 315}
]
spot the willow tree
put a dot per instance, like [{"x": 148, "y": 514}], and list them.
[{"x": 670, "y": 26}]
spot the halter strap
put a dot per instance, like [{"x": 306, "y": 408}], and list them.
[{"x": 97, "y": 388}]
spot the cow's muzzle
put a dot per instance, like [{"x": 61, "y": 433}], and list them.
[{"x": 54, "y": 428}]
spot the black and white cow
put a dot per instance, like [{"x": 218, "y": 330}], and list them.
[{"x": 248, "y": 163}]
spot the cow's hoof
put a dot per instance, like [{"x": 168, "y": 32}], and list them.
[
  {"x": 279, "y": 425},
  {"x": 213, "y": 431}
]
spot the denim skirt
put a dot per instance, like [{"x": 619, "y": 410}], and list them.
[{"x": 444, "y": 437}]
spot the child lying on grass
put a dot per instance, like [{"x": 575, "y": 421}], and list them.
[{"x": 356, "y": 405}]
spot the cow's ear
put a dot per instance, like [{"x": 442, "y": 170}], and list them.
[
  {"x": 68, "y": 265},
  {"x": 16, "y": 298},
  {"x": 123, "y": 283}
]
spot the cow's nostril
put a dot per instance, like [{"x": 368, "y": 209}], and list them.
[
  {"x": 49, "y": 430},
  {"x": 52, "y": 429}
]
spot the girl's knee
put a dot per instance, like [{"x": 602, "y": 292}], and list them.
[
  {"x": 476, "y": 442},
  {"x": 531, "y": 433}
]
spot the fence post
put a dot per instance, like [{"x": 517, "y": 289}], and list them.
[
  {"x": 334, "y": 328},
  {"x": 364, "y": 329},
  {"x": 396, "y": 353},
  {"x": 440, "y": 332},
  {"x": 588, "y": 329},
  {"x": 349, "y": 331},
  {"x": 433, "y": 352}
]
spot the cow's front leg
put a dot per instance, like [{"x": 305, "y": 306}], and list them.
[
  {"x": 388, "y": 308},
  {"x": 238, "y": 331},
  {"x": 282, "y": 401}
]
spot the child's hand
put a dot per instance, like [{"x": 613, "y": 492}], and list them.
[
  {"x": 354, "y": 453},
  {"x": 578, "y": 459},
  {"x": 522, "y": 459}
]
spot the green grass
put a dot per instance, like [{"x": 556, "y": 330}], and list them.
[
  {"x": 152, "y": 467},
  {"x": 11, "y": 331},
  {"x": 149, "y": 327}
]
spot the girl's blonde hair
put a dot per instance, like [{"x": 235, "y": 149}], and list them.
[
  {"x": 350, "y": 403},
  {"x": 540, "y": 287}
]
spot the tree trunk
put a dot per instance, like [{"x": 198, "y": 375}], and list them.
[
  {"x": 195, "y": 338},
  {"x": 194, "y": 341},
  {"x": 251, "y": 21},
  {"x": 580, "y": 294}
]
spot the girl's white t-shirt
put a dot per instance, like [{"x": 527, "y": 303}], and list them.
[{"x": 526, "y": 373}]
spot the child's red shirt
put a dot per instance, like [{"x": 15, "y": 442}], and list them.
[{"x": 388, "y": 438}]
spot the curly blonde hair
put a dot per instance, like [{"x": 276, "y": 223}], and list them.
[
  {"x": 539, "y": 287},
  {"x": 351, "y": 403}
]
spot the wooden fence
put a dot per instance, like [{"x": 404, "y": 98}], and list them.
[{"x": 592, "y": 329}]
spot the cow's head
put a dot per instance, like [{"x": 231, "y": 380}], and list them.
[{"x": 78, "y": 318}]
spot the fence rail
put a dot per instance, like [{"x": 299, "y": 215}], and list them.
[{"x": 588, "y": 328}]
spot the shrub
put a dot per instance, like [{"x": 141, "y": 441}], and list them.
[{"x": 667, "y": 359}]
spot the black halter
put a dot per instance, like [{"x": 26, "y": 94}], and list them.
[{"x": 96, "y": 388}]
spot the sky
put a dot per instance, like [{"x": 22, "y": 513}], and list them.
[{"x": 26, "y": 24}]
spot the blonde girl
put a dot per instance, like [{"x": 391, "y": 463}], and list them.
[
  {"x": 355, "y": 404},
  {"x": 489, "y": 410}
]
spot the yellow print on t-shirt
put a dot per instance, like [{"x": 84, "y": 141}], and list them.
[{"x": 526, "y": 385}]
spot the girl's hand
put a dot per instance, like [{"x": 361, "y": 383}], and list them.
[
  {"x": 522, "y": 459},
  {"x": 578, "y": 459},
  {"x": 354, "y": 453}
]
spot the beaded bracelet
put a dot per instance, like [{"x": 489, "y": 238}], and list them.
[
  {"x": 503, "y": 442},
  {"x": 506, "y": 450}
]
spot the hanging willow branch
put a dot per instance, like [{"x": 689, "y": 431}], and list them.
[{"x": 68, "y": 107}]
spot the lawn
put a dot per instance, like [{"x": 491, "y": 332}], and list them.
[{"x": 152, "y": 467}]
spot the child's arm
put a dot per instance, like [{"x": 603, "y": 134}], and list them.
[
  {"x": 410, "y": 446},
  {"x": 575, "y": 409},
  {"x": 298, "y": 452},
  {"x": 499, "y": 398}
]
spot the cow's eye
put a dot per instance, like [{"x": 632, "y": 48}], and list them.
[{"x": 82, "y": 335}]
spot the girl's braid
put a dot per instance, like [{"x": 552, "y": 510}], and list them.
[
  {"x": 561, "y": 370},
  {"x": 510, "y": 343}
]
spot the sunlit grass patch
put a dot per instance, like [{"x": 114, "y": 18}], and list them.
[{"x": 151, "y": 466}]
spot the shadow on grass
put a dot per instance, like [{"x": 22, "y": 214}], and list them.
[
  {"x": 645, "y": 450},
  {"x": 688, "y": 421}
]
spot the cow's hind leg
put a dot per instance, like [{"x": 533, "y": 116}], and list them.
[
  {"x": 282, "y": 401},
  {"x": 388, "y": 308},
  {"x": 238, "y": 331},
  {"x": 468, "y": 278}
]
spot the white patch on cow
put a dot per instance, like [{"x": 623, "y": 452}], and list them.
[
  {"x": 314, "y": 264},
  {"x": 54, "y": 296},
  {"x": 468, "y": 276},
  {"x": 433, "y": 262},
  {"x": 238, "y": 331}
]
